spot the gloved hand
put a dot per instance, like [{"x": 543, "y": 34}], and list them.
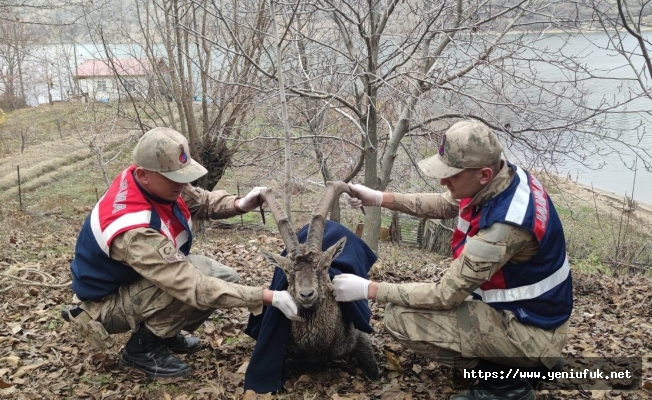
[
  {"x": 363, "y": 196},
  {"x": 285, "y": 303},
  {"x": 251, "y": 200},
  {"x": 349, "y": 287}
]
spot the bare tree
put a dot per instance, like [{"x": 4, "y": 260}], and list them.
[
  {"x": 101, "y": 128},
  {"x": 397, "y": 70},
  {"x": 14, "y": 38},
  {"x": 624, "y": 25},
  {"x": 198, "y": 87}
]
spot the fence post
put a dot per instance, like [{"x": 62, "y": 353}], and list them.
[
  {"x": 237, "y": 185},
  {"x": 20, "y": 195}
]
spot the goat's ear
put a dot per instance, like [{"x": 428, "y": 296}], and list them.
[
  {"x": 276, "y": 260},
  {"x": 335, "y": 250}
]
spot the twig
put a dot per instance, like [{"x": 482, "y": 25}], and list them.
[
  {"x": 27, "y": 282},
  {"x": 615, "y": 262},
  {"x": 8, "y": 288}
]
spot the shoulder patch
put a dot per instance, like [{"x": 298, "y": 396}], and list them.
[
  {"x": 479, "y": 258},
  {"x": 476, "y": 270},
  {"x": 169, "y": 253}
]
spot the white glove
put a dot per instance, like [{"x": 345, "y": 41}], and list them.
[
  {"x": 363, "y": 196},
  {"x": 251, "y": 200},
  {"x": 285, "y": 303},
  {"x": 349, "y": 287}
]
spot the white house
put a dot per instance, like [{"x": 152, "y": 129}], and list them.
[{"x": 106, "y": 80}]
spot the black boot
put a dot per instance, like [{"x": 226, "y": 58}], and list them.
[
  {"x": 183, "y": 344},
  {"x": 146, "y": 351},
  {"x": 508, "y": 388}
]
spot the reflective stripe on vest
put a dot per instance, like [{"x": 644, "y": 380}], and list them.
[
  {"x": 526, "y": 292},
  {"x": 128, "y": 220}
]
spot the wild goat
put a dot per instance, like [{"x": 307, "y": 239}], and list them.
[{"x": 323, "y": 334}]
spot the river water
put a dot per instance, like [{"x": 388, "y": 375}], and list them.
[
  {"x": 609, "y": 170},
  {"x": 615, "y": 168}
]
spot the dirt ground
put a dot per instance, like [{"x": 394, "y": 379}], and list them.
[{"x": 40, "y": 357}]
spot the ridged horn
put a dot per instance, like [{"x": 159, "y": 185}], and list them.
[
  {"x": 284, "y": 226},
  {"x": 318, "y": 222}
]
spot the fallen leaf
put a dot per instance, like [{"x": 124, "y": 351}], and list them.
[
  {"x": 249, "y": 395},
  {"x": 4, "y": 385},
  {"x": 303, "y": 382},
  {"x": 358, "y": 386},
  {"x": 11, "y": 360},
  {"x": 15, "y": 327},
  {"x": 26, "y": 368},
  {"x": 393, "y": 363},
  {"x": 243, "y": 368},
  {"x": 7, "y": 391},
  {"x": 416, "y": 368},
  {"x": 395, "y": 395}
]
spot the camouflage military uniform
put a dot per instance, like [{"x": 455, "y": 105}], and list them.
[
  {"x": 439, "y": 319},
  {"x": 173, "y": 295}
]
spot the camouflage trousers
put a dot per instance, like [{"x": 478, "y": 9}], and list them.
[
  {"x": 142, "y": 302},
  {"x": 461, "y": 336}
]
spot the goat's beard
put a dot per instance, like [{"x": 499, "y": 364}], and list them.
[{"x": 307, "y": 314}]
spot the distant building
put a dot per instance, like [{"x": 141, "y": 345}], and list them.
[{"x": 107, "y": 80}]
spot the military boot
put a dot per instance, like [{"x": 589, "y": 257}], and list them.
[
  {"x": 181, "y": 344},
  {"x": 503, "y": 387},
  {"x": 148, "y": 353}
]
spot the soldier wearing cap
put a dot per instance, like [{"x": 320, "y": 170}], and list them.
[
  {"x": 132, "y": 270},
  {"x": 506, "y": 298}
]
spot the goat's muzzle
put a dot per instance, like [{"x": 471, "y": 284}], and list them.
[{"x": 307, "y": 296}]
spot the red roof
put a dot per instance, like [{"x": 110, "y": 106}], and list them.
[{"x": 126, "y": 66}]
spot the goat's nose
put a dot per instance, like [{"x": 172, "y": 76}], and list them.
[{"x": 307, "y": 293}]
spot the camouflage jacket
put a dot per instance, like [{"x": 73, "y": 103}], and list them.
[
  {"x": 139, "y": 248},
  {"x": 496, "y": 245}
]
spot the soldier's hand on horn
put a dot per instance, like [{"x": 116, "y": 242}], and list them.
[
  {"x": 285, "y": 303},
  {"x": 364, "y": 196},
  {"x": 251, "y": 200}
]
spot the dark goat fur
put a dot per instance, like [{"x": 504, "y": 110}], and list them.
[{"x": 323, "y": 333}]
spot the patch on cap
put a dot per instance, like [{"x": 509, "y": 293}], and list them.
[
  {"x": 441, "y": 146},
  {"x": 183, "y": 157}
]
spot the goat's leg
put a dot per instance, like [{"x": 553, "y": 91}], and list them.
[{"x": 364, "y": 354}]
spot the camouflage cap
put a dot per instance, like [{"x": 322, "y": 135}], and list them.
[
  {"x": 466, "y": 144},
  {"x": 166, "y": 151}
]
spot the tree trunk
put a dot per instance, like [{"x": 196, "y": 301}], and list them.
[{"x": 287, "y": 185}]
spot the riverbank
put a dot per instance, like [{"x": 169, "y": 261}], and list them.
[{"x": 574, "y": 194}]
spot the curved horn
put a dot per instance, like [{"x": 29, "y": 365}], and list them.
[
  {"x": 284, "y": 226},
  {"x": 316, "y": 231}
]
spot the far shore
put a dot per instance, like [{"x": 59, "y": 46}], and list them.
[{"x": 567, "y": 192}]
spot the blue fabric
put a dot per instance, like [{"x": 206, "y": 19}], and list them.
[
  {"x": 271, "y": 329},
  {"x": 554, "y": 307},
  {"x": 94, "y": 274}
]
